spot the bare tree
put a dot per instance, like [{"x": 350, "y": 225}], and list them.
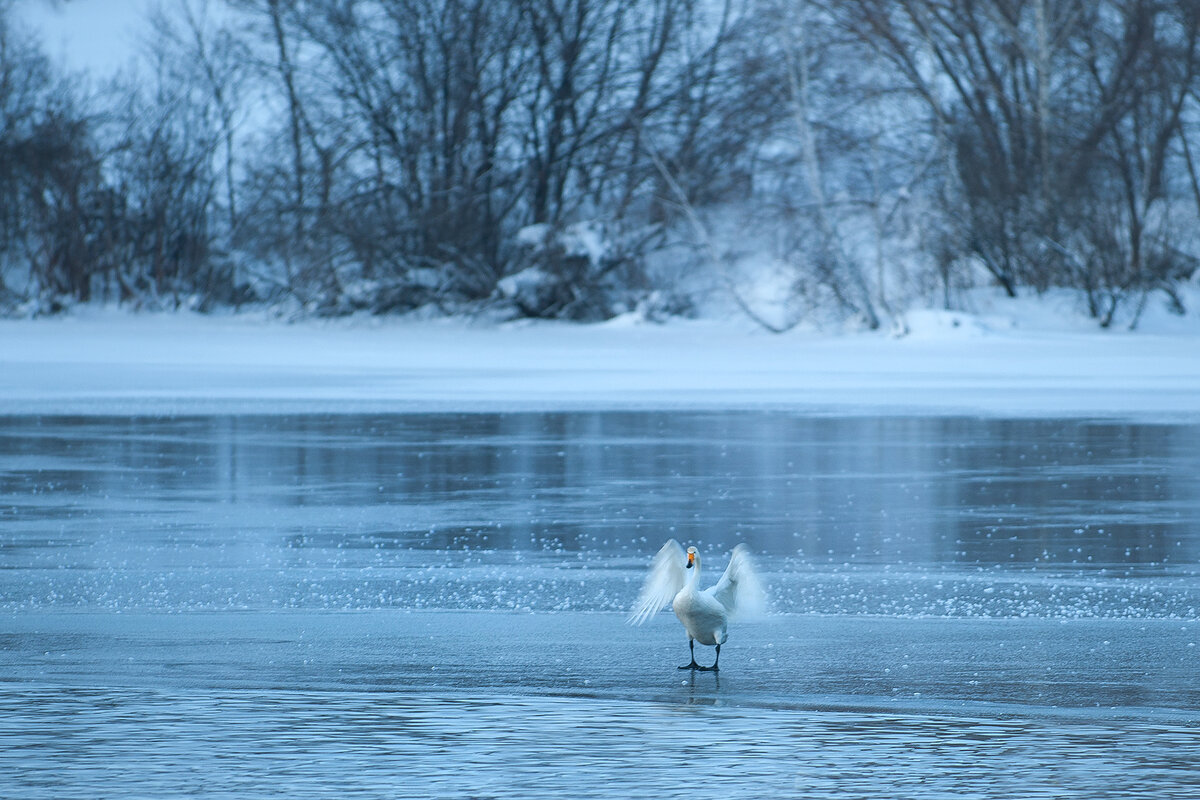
[
  {"x": 164, "y": 155},
  {"x": 1061, "y": 116},
  {"x": 50, "y": 179},
  {"x": 402, "y": 150}
]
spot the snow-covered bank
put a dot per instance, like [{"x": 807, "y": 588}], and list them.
[{"x": 112, "y": 362}]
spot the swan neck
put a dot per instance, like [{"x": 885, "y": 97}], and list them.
[{"x": 693, "y": 577}]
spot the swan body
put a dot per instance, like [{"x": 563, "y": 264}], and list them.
[{"x": 674, "y": 578}]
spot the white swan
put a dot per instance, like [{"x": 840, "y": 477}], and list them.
[{"x": 674, "y": 577}]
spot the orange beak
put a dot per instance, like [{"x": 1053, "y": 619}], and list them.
[{"x": 691, "y": 560}]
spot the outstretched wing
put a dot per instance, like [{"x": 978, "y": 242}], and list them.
[
  {"x": 740, "y": 590},
  {"x": 665, "y": 580}
]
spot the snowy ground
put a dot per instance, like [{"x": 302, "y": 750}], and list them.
[{"x": 1035, "y": 358}]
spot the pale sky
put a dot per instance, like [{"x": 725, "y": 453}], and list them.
[{"x": 100, "y": 36}]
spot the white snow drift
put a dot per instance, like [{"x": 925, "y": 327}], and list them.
[{"x": 1035, "y": 363}]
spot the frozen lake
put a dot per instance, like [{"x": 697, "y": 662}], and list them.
[{"x": 433, "y": 606}]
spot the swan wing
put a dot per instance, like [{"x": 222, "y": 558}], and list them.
[
  {"x": 740, "y": 591},
  {"x": 665, "y": 579}
]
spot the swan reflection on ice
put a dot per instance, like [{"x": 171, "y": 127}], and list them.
[{"x": 675, "y": 577}]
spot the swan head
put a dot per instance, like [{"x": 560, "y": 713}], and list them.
[{"x": 692, "y": 557}]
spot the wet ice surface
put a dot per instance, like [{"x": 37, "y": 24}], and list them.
[
  {"x": 496, "y": 704},
  {"x": 428, "y": 605}
]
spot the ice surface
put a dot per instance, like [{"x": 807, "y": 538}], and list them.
[
  {"x": 433, "y": 605},
  {"x": 545, "y": 512},
  {"x": 493, "y": 704}
]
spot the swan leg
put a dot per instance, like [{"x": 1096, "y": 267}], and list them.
[
  {"x": 714, "y": 667},
  {"x": 692, "y": 648}
]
